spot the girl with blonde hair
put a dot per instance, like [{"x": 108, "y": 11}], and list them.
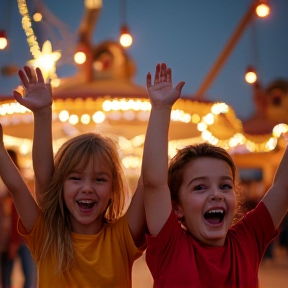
[{"x": 78, "y": 233}]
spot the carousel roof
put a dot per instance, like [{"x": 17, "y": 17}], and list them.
[{"x": 103, "y": 97}]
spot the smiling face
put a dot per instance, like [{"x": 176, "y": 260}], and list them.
[
  {"x": 87, "y": 191},
  {"x": 207, "y": 200}
]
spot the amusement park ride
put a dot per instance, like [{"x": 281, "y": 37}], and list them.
[{"x": 103, "y": 97}]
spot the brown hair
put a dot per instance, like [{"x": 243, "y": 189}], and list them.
[
  {"x": 78, "y": 151},
  {"x": 191, "y": 152}
]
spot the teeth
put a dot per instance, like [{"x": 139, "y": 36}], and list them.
[
  {"x": 85, "y": 201},
  {"x": 216, "y": 211}
]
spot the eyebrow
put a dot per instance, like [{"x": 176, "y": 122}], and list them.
[
  {"x": 98, "y": 173},
  {"x": 205, "y": 177}
]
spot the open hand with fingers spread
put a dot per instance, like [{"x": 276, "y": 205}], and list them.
[
  {"x": 162, "y": 92},
  {"x": 38, "y": 94}
]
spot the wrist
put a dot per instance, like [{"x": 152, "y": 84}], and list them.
[
  {"x": 161, "y": 106},
  {"x": 45, "y": 111}
]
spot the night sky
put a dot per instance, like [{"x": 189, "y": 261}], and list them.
[{"x": 188, "y": 35}]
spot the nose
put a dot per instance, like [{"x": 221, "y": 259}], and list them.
[
  {"x": 216, "y": 194},
  {"x": 87, "y": 187}
]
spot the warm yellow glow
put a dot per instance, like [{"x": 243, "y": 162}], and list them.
[
  {"x": 219, "y": 108},
  {"x": 137, "y": 105},
  {"x": 124, "y": 105},
  {"x": 98, "y": 117},
  {"x": 143, "y": 115},
  {"x": 13, "y": 113},
  {"x": 132, "y": 162},
  {"x": 80, "y": 57},
  {"x": 11, "y": 108},
  {"x": 37, "y": 17},
  {"x": 106, "y": 106},
  {"x": 126, "y": 40},
  {"x": 206, "y": 135},
  {"x": 64, "y": 116},
  {"x": 209, "y": 119},
  {"x": 195, "y": 118},
  {"x": 181, "y": 116},
  {"x": 3, "y": 43},
  {"x": 214, "y": 141},
  {"x": 262, "y": 10},
  {"x": 129, "y": 115},
  {"x": 47, "y": 61},
  {"x": 250, "y": 77},
  {"x": 73, "y": 119},
  {"x": 24, "y": 148},
  {"x": 210, "y": 138},
  {"x": 27, "y": 27},
  {"x": 85, "y": 119},
  {"x": 115, "y": 105},
  {"x": 279, "y": 129},
  {"x": 138, "y": 140},
  {"x": 240, "y": 138},
  {"x": 97, "y": 65},
  {"x": 93, "y": 4},
  {"x": 271, "y": 144},
  {"x": 124, "y": 143},
  {"x": 201, "y": 126},
  {"x": 55, "y": 82}
]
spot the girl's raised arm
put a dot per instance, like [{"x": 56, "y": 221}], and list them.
[
  {"x": 276, "y": 199},
  {"x": 157, "y": 198},
  {"x": 38, "y": 98},
  {"x": 136, "y": 215},
  {"x": 24, "y": 202}
]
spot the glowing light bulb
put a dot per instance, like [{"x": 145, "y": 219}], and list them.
[
  {"x": 80, "y": 57},
  {"x": 125, "y": 37},
  {"x": 37, "y": 17},
  {"x": 3, "y": 40},
  {"x": 250, "y": 76},
  {"x": 126, "y": 40},
  {"x": 262, "y": 10}
]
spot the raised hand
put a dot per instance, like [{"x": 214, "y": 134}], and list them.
[
  {"x": 162, "y": 93},
  {"x": 38, "y": 94}
]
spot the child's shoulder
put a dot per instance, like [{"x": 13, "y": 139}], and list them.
[{"x": 119, "y": 223}]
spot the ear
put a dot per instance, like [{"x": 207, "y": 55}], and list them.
[{"x": 178, "y": 210}]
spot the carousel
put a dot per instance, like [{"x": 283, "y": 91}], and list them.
[{"x": 102, "y": 97}]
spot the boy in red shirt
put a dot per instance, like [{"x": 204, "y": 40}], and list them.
[{"x": 190, "y": 210}]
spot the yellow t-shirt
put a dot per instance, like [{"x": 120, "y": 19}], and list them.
[{"x": 101, "y": 260}]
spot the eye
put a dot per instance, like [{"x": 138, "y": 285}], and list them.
[
  {"x": 74, "y": 178},
  {"x": 200, "y": 187},
  {"x": 101, "y": 179},
  {"x": 226, "y": 187}
]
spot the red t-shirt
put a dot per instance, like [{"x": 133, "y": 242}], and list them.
[{"x": 177, "y": 259}]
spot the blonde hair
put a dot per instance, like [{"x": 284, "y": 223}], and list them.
[{"x": 78, "y": 151}]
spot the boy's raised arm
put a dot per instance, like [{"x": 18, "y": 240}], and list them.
[
  {"x": 24, "y": 202},
  {"x": 157, "y": 199},
  {"x": 38, "y": 98},
  {"x": 276, "y": 199}
]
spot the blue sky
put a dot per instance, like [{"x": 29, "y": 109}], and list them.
[{"x": 188, "y": 35}]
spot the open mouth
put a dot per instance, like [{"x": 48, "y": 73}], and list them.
[
  {"x": 86, "y": 204},
  {"x": 214, "y": 216}
]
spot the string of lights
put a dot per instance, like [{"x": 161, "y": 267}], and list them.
[
  {"x": 27, "y": 27},
  {"x": 129, "y": 110}
]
